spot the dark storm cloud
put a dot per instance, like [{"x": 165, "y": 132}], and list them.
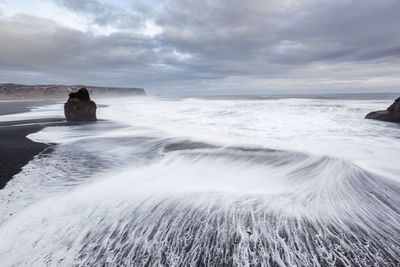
[
  {"x": 35, "y": 43},
  {"x": 317, "y": 31},
  {"x": 207, "y": 41},
  {"x": 42, "y": 46}
]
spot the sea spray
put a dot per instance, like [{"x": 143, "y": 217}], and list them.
[{"x": 168, "y": 188}]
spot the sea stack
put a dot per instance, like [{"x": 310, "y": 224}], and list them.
[
  {"x": 79, "y": 107},
  {"x": 391, "y": 114}
]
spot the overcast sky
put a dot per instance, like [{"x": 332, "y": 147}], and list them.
[{"x": 204, "y": 46}]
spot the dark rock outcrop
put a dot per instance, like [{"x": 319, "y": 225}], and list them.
[
  {"x": 79, "y": 107},
  {"x": 391, "y": 114}
]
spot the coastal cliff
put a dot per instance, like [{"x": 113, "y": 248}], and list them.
[{"x": 10, "y": 91}]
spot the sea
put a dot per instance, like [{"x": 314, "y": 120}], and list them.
[{"x": 301, "y": 180}]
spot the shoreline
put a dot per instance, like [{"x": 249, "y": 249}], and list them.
[
  {"x": 9, "y": 107},
  {"x": 16, "y": 149}
]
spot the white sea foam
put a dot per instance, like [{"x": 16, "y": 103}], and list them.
[
  {"x": 298, "y": 182},
  {"x": 335, "y": 128}
]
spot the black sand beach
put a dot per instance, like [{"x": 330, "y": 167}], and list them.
[
  {"x": 19, "y": 106},
  {"x": 16, "y": 150}
]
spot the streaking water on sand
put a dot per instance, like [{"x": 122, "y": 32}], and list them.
[{"x": 301, "y": 182}]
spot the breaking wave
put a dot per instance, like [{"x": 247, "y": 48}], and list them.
[{"x": 121, "y": 195}]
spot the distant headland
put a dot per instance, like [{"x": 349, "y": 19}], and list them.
[{"x": 11, "y": 91}]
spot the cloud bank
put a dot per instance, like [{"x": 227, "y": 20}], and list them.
[{"x": 204, "y": 47}]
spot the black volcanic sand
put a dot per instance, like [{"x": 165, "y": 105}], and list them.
[
  {"x": 16, "y": 150},
  {"x": 19, "y": 106}
]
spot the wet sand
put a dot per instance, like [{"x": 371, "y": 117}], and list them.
[
  {"x": 19, "y": 106},
  {"x": 16, "y": 150}
]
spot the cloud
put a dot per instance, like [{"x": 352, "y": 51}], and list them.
[
  {"x": 105, "y": 14},
  {"x": 180, "y": 46}
]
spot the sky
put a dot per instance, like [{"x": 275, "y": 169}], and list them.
[{"x": 204, "y": 46}]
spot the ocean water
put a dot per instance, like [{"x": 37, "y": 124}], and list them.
[{"x": 243, "y": 181}]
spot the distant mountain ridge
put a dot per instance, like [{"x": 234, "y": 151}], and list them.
[{"x": 10, "y": 91}]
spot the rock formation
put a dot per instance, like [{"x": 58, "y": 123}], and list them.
[
  {"x": 391, "y": 114},
  {"x": 79, "y": 107}
]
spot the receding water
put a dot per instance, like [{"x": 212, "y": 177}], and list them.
[{"x": 279, "y": 182}]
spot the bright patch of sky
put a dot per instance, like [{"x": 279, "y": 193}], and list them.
[
  {"x": 45, "y": 9},
  {"x": 151, "y": 29}
]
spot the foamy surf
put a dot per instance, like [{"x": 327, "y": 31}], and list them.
[{"x": 200, "y": 182}]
